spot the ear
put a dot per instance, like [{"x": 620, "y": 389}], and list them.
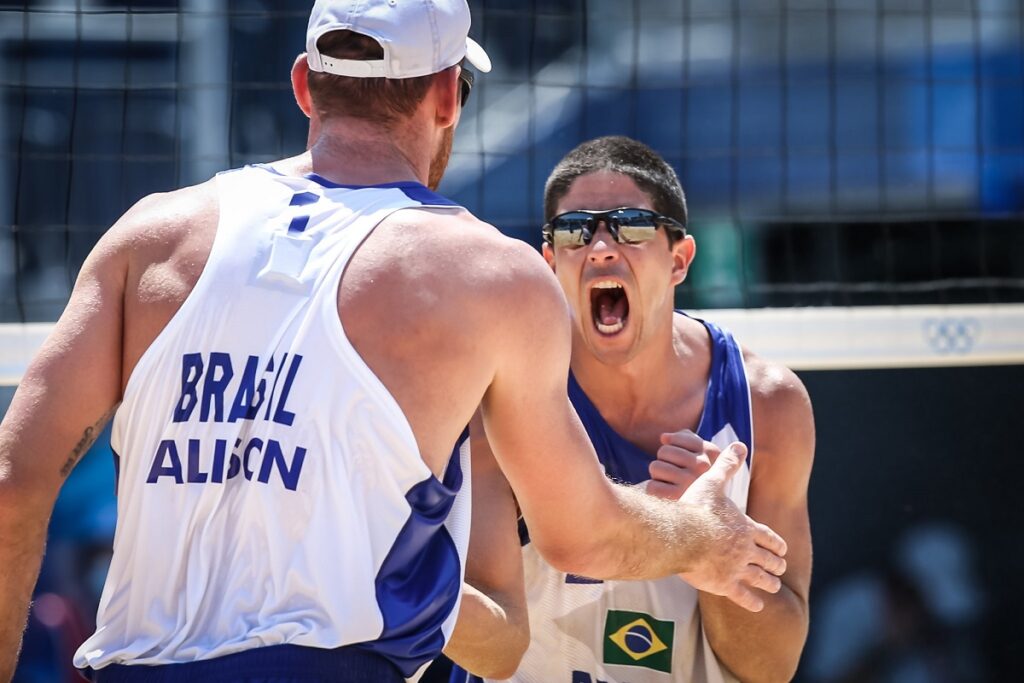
[
  {"x": 300, "y": 86},
  {"x": 549, "y": 255},
  {"x": 683, "y": 252},
  {"x": 447, "y": 94}
]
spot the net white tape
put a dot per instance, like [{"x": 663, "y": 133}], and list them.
[{"x": 828, "y": 338}]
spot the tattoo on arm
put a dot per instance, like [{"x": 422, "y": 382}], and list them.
[{"x": 88, "y": 437}]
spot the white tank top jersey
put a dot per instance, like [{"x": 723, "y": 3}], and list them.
[
  {"x": 270, "y": 489},
  {"x": 588, "y": 631}
]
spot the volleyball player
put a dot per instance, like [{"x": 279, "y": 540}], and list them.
[
  {"x": 291, "y": 353},
  {"x": 653, "y": 387}
]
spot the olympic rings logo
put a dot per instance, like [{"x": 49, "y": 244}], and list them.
[{"x": 948, "y": 336}]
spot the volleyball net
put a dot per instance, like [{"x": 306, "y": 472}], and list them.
[{"x": 864, "y": 158}]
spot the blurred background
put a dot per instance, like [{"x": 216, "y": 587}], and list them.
[{"x": 855, "y": 175}]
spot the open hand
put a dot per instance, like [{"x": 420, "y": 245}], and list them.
[{"x": 739, "y": 554}]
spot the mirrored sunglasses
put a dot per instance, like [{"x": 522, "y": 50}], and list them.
[{"x": 574, "y": 229}]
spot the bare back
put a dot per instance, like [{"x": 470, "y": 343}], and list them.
[
  {"x": 166, "y": 242},
  {"x": 414, "y": 303},
  {"x": 221, "y": 309}
]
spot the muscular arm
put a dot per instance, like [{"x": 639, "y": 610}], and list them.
[
  {"x": 765, "y": 647},
  {"x": 66, "y": 396},
  {"x": 492, "y": 631},
  {"x": 579, "y": 521}
]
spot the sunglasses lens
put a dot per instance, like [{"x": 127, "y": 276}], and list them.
[
  {"x": 569, "y": 238},
  {"x": 634, "y": 234},
  {"x": 635, "y": 225},
  {"x": 571, "y": 230}
]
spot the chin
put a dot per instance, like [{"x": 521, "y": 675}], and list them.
[{"x": 617, "y": 350}]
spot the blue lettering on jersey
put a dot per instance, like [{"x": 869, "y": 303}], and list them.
[
  {"x": 195, "y": 475},
  {"x": 273, "y": 456},
  {"x": 249, "y": 396},
  {"x": 583, "y": 677},
  {"x": 165, "y": 452},
  {"x": 210, "y": 383},
  {"x": 191, "y": 371},
  {"x": 200, "y": 467},
  {"x": 254, "y": 445},
  {"x": 217, "y": 472},
  {"x": 236, "y": 461},
  {"x": 216, "y": 375},
  {"x": 282, "y": 416}
]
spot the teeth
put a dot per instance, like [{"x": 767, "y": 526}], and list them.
[
  {"x": 610, "y": 329},
  {"x": 607, "y": 284}
]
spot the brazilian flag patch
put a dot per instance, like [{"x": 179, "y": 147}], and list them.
[{"x": 637, "y": 639}]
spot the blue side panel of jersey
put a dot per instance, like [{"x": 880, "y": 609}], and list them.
[
  {"x": 421, "y": 578},
  {"x": 622, "y": 460},
  {"x": 727, "y": 401}
]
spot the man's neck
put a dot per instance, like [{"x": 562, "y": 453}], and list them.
[
  {"x": 353, "y": 152},
  {"x": 669, "y": 373}
]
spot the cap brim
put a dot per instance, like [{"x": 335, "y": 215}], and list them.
[{"x": 476, "y": 56}]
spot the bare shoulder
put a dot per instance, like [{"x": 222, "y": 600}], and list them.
[
  {"x": 775, "y": 390},
  {"x": 164, "y": 242},
  {"x": 783, "y": 424},
  {"x": 166, "y": 218},
  {"x": 474, "y": 263},
  {"x": 482, "y": 251}
]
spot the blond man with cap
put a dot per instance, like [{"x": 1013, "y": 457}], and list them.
[{"x": 291, "y": 354}]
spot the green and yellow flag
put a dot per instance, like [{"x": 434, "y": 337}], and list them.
[{"x": 637, "y": 639}]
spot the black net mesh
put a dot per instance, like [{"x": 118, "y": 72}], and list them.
[{"x": 834, "y": 152}]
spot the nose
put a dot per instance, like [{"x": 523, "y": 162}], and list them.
[{"x": 603, "y": 248}]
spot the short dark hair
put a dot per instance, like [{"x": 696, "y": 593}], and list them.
[
  {"x": 618, "y": 154},
  {"x": 384, "y": 100}
]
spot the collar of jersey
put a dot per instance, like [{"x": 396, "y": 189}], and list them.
[
  {"x": 320, "y": 180},
  {"x": 402, "y": 184}
]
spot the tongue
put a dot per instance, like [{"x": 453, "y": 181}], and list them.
[{"x": 610, "y": 308}]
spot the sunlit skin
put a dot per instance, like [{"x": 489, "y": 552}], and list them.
[
  {"x": 648, "y": 381},
  {"x": 648, "y": 272}
]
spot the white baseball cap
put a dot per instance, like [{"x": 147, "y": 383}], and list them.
[{"x": 419, "y": 37}]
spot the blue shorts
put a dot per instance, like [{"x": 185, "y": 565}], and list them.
[{"x": 274, "y": 664}]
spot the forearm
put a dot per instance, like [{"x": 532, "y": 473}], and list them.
[
  {"x": 489, "y": 638},
  {"x": 22, "y": 540},
  {"x": 762, "y": 647},
  {"x": 643, "y": 538}
]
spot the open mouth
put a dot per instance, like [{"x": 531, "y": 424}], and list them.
[{"x": 609, "y": 306}]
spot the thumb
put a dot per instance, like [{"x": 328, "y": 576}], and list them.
[{"x": 728, "y": 463}]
